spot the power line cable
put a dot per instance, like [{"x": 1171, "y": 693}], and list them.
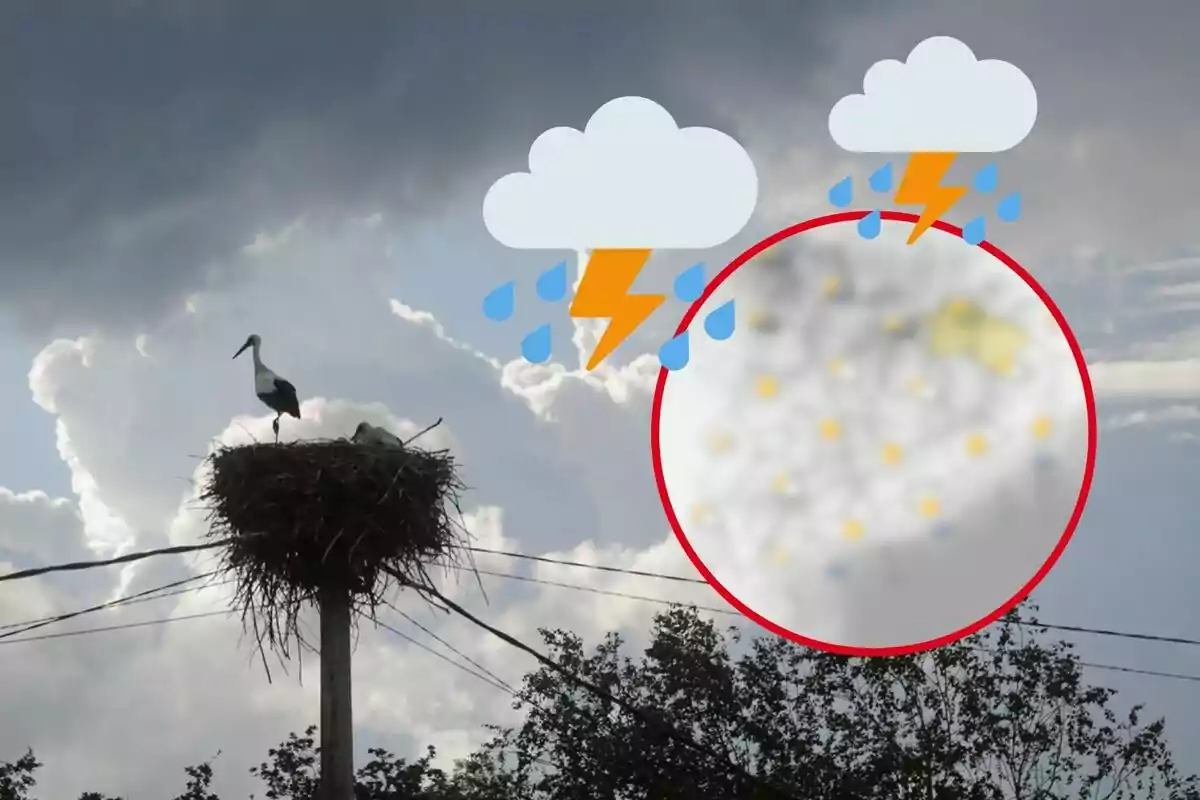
[
  {"x": 75, "y": 566},
  {"x": 494, "y": 683},
  {"x": 123, "y": 601},
  {"x": 664, "y": 601},
  {"x": 123, "y": 626},
  {"x": 107, "y": 628},
  {"x": 17, "y": 631},
  {"x": 81, "y": 565},
  {"x": 1147, "y": 637},
  {"x": 645, "y": 717},
  {"x": 453, "y": 649},
  {"x": 599, "y": 567},
  {"x": 604, "y": 592},
  {"x": 1151, "y": 672}
]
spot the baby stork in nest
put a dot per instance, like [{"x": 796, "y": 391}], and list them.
[{"x": 278, "y": 394}]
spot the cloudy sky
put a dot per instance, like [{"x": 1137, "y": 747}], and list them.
[{"x": 181, "y": 174}]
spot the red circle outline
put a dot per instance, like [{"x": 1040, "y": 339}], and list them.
[{"x": 1024, "y": 591}]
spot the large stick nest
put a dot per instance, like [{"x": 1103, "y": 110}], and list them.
[{"x": 299, "y": 516}]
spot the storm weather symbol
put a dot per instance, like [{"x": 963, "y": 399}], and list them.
[
  {"x": 630, "y": 182},
  {"x": 940, "y": 102}
]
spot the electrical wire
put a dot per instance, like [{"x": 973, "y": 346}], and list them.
[
  {"x": 663, "y": 601},
  {"x": 452, "y": 648},
  {"x": 598, "y": 567},
  {"x": 123, "y": 626},
  {"x": 645, "y": 717},
  {"x": 493, "y": 682},
  {"x": 18, "y": 630},
  {"x": 1147, "y": 637},
  {"x": 1105, "y": 632},
  {"x": 604, "y": 592},
  {"x": 75, "y": 566}
]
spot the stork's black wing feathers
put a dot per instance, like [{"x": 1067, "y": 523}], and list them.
[{"x": 287, "y": 395}]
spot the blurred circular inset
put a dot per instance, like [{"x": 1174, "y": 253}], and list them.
[{"x": 893, "y": 449}]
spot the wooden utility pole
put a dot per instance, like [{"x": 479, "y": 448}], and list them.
[{"x": 337, "y": 727}]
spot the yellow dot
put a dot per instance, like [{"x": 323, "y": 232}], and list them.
[
  {"x": 701, "y": 514},
  {"x": 766, "y": 387},
  {"x": 838, "y": 368},
  {"x": 852, "y": 530},
  {"x": 977, "y": 444},
  {"x": 893, "y": 323},
  {"x": 959, "y": 307},
  {"x": 781, "y": 483},
  {"x": 928, "y": 506},
  {"x": 830, "y": 428},
  {"x": 720, "y": 443},
  {"x": 917, "y": 387},
  {"x": 1043, "y": 427},
  {"x": 892, "y": 454},
  {"x": 780, "y": 556},
  {"x": 831, "y": 284},
  {"x": 760, "y": 320}
]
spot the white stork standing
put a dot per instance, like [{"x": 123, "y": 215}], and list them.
[{"x": 278, "y": 394}]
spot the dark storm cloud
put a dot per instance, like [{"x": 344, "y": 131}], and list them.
[{"x": 141, "y": 140}]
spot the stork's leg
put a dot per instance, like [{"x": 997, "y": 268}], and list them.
[{"x": 275, "y": 427}]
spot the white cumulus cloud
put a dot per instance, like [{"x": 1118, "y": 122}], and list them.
[
  {"x": 942, "y": 99},
  {"x": 632, "y": 178}
]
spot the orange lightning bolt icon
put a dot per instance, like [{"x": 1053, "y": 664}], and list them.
[
  {"x": 604, "y": 292},
  {"x": 922, "y": 185}
]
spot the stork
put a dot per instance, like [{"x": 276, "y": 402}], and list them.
[{"x": 278, "y": 394}]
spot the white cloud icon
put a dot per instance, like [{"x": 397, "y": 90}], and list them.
[
  {"x": 631, "y": 179},
  {"x": 942, "y": 99}
]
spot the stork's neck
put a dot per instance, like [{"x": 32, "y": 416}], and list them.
[{"x": 258, "y": 365}]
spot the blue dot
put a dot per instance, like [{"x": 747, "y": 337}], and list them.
[
  {"x": 536, "y": 346},
  {"x": 689, "y": 284},
  {"x": 1009, "y": 209},
  {"x": 675, "y": 353},
  {"x": 719, "y": 324},
  {"x": 942, "y": 530},
  {"x": 499, "y": 303},
  {"x": 987, "y": 179},
  {"x": 881, "y": 179},
  {"x": 842, "y": 192},
  {"x": 836, "y": 571},
  {"x": 975, "y": 231},
  {"x": 552, "y": 284},
  {"x": 870, "y": 225}
]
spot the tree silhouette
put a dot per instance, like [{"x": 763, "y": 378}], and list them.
[{"x": 1003, "y": 715}]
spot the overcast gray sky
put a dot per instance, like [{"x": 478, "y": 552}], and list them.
[{"x": 192, "y": 172}]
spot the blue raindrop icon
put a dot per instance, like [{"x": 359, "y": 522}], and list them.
[
  {"x": 536, "y": 346},
  {"x": 975, "y": 231},
  {"x": 720, "y": 322},
  {"x": 987, "y": 179},
  {"x": 552, "y": 284},
  {"x": 689, "y": 284},
  {"x": 942, "y": 530},
  {"x": 499, "y": 303},
  {"x": 870, "y": 225},
  {"x": 842, "y": 192},
  {"x": 674, "y": 353},
  {"x": 881, "y": 179},
  {"x": 1009, "y": 209},
  {"x": 836, "y": 571}
]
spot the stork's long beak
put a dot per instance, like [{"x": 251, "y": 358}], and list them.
[{"x": 241, "y": 350}]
